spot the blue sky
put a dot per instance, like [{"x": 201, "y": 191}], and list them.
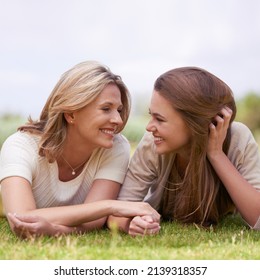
[{"x": 137, "y": 39}]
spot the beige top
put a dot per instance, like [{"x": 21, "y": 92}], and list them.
[
  {"x": 19, "y": 157},
  {"x": 149, "y": 171}
]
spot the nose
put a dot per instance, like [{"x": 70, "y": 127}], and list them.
[
  {"x": 150, "y": 126},
  {"x": 116, "y": 118}
]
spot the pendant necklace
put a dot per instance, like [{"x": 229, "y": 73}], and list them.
[{"x": 74, "y": 169}]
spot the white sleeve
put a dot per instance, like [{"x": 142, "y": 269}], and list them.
[
  {"x": 18, "y": 157},
  {"x": 114, "y": 162}
]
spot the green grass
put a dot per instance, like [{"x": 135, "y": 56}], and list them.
[{"x": 230, "y": 240}]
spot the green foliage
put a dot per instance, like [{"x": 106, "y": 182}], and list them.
[
  {"x": 248, "y": 111},
  {"x": 135, "y": 129},
  {"x": 8, "y": 125},
  {"x": 231, "y": 239}
]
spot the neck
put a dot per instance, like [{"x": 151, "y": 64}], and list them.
[
  {"x": 76, "y": 153},
  {"x": 72, "y": 160}
]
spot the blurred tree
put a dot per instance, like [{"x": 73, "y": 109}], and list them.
[
  {"x": 139, "y": 118},
  {"x": 8, "y": 125},
  {"x": 248, "y": 111}
]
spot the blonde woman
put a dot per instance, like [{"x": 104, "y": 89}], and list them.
[
  {"x": 62, "y": 173},
  {"x": 195, "y": 164}
]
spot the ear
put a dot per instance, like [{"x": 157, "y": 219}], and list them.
[{"x": 69, "y": 117}]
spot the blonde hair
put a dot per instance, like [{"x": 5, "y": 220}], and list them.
[
  {"x": 76, "y": 88},
  {"x": 198, "y": 96}
]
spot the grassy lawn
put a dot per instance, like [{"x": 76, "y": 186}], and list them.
[{"x": 230, "y": 240}]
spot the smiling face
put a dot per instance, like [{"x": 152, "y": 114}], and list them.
[
  {"x": 171, "y": 134},
  {"x": 96, "y": 124}
]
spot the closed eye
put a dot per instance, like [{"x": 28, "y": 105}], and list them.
[
  {"x": 106, "y": 109},
  {"x": 157, "y": 116},
  {"x": 159, "y": 119}
]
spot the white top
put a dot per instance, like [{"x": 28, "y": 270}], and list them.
[
  {"x": 148, "y": 171},
  {"x": 19, "y": 157}
]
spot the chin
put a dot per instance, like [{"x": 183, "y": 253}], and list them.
[
  {"x": 107, "y": 145},
  {"x": 162, "y": 151}
]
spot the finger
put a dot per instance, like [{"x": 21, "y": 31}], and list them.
[
  {"x": 212, "y": 130},
  {"x": 21, "y": 229},
  {"x": 148, "y": 218},
  {"x": 18, "y": 219},
  {"x": 12, "y": 217},
  {"x": 218, "y": 122},
  {"x": 20, "y": 224},
  {"x": 151, "y": 219},
  {"x": 227, "y": 114},
  {"x": 229, "y": 110},
  {"x": 137, "y": 226},
  {"x": 151, "y": 211},
  {"x": 156, "y": 216},
  {"x": 139, "y": 221},
  {"x": 135, "y": 230},
  {"x": 212, "y": 127},
  {"x": 28, "y": 218},
  {"x": 138, "y": 231}
]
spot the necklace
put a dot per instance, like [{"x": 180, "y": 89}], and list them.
[{"x": 74, "y": 169}]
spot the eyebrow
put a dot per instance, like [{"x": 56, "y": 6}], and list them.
[
  {"x": 156, "y": 114},
  {"x": 109, "y": 103}
]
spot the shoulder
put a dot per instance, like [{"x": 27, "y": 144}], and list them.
[
  {"x": 242, "y": 141},
  {"x": 239, "y": 128},
  {"x": 121, "y": 146},
  {"x": 244, "y": 153},
  {"x": 111, "y": 164},
  {"x": 145, "y": 153},
  {"x": 119, "y": 151},
  {"x": 240, "y": 134},
  {"x": 19, "y": 155},
  {"x": 21, "y": 140},
  {"x": 145, "y": 146},
  {"x": 19, "y": 148},
  {"x": 121, "y": 141},
  {"x": 147, "y": 142}
]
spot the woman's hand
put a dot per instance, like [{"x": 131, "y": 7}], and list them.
[
  {"x": 26, "y": 226},
  {"x": 144, "y": 225},
  {"x": 132, "y": 209},
  {"x": 218, "y": 132}
]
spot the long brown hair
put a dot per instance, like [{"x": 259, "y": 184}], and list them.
[
  {"x": 198, "y": 96},
  {"x": 76, "y": 88}
]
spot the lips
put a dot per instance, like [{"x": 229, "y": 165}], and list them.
[
  {"x": 108, "y": 131},
  {"x": 157, "y": 139}
]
